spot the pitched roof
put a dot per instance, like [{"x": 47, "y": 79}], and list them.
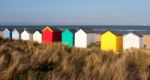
[
  {"x": 53, "y": 29},
  {"x": 88, "y": 30},
  {"x": 72, "y": 30},
  {"x": 20, "y": 30},
  {"x": 38, "y": 30},
  {"x": 29, "y": 30},
  {"x": 117, "y": 33},
  {"x": 138, "y": 34},
  {"x": 9, "y": 29}
]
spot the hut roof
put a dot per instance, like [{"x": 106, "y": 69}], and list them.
[
  {"x": 114, "y": 32},
  {"x": 72, "y": 30},
  {"x": 88, "y": 30},
  {"x": 136, "y": 33},
  {"x": 39, "y": 30},
  {"x": 20, "y": 30},
  {"x": 10, "y": 29},
  {"x": 53, "y": 29},
  {"x": 29, "y": 30}
]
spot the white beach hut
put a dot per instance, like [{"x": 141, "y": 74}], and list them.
[
  {"x": 27, "y": 34},
  {"x": 16, "y": 34},
  {"x": 132, "y": 40},
  {"x": 84, "y": 37},
  {"x": 37, "y": 36}
]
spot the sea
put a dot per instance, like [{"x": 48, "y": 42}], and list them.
[{"x": 141, "y": 29}]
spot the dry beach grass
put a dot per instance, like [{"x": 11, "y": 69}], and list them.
[{"x": 24, "y": 60}]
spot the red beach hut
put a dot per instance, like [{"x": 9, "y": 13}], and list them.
[{"x": 51, "y": 35}]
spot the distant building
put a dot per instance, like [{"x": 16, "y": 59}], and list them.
[
  {"x": 132, "y": 40},
  {"x": 51, "y": 35},
  {"x": 68, "y": 37},
  {"x": 7, "y": 33},
  {"x": 111, "y": 41},
  {"x": 84, "y": 37},
  {"x": 27, "y": 34},
  {"x": 37, "y": 36}
]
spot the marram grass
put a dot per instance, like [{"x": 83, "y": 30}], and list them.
[{"x": 24, "y": 60}]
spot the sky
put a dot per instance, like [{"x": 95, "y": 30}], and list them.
[{"x": 75, "y": 12}]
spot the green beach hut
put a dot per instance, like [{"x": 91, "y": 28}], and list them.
[{"x": 68, "y": 37}]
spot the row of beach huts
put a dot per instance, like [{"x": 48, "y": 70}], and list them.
[
  {"x": 109, "y": 40},
  {"x": 48, "y": 35}
]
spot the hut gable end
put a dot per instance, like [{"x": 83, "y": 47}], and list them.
[{"x": 47, "y": 29}]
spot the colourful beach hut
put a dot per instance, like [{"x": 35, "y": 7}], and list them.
[
  {"x": 68, "y": 37},
  {"x": 27, "y": 34},
  {"x": 51, "y": 35},
  {"x": 16, "y": 34},
  {"x": 37, "y": 36},
  {"x": 132, "y": 40},
  {"x": 112, "y": 41},
  {"x": 84, "y": 37},
  {"x": 7, "y": 33}
]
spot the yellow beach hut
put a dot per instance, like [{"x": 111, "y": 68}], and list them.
[{"x": 111, "y": 41}]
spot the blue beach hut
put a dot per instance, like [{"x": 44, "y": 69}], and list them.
[{"x": 6, "y": 33}]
